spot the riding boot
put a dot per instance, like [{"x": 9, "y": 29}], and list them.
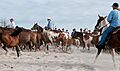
[{"x": 100, "y": 46}]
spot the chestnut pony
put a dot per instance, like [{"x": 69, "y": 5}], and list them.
[{"x": 10, "y": 40}]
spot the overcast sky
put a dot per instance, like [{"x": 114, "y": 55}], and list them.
[{"x": 66, "y": 14}]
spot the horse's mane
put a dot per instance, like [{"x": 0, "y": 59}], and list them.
[
  {"x": 23, "y": 29},
  {"x": 39, "y": 27},
  {"x": 16, "y": 32}
]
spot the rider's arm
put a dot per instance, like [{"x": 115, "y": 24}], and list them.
[{"x": 110, "y": 16}]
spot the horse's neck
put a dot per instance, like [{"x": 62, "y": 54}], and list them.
[{"x": 104, "y": 24}]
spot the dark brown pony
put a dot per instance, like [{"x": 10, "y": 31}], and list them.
[
  {"x": 79, "y": 35},
  {"x": 10, "y": 40},
  {"x": 29, "y": 38},
  {"x": 40, "y": 38},
  {"x": 25, "y": 39},
  {"x": 112, "y": 42}
]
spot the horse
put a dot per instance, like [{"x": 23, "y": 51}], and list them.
[
  {"x": 65, "y": 42},
  {"x": 10, "y": 40},
  {"x": 9, "y": 30},
  {"x": 79, "y": 35},
  {"x": 87, "y": 38},
  {"x": 25, "y": 38},
  {"x": 41, "y": 37},
  {"x": 113, "y": 40}
]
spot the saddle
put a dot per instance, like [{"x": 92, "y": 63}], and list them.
[{"x": 114, "y": 32}]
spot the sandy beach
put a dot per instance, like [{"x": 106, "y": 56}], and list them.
[{"x": 77, "y": 60}]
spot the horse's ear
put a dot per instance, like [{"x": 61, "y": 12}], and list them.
[
  {"x": 36, "y": 23},
  {"x": 99, "y": 16},
  {"x": 105, "y": 17}
]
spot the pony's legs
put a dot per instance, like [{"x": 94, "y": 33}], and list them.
[
  {"x": 47, "y": 47},
  {"x": 98, "y": 53},
  {"x": 4, "y": 47},
  {"x": 18, "y": 51},
  {"x": 88, "y": 45},
  {"x": 112, "y": 51}
]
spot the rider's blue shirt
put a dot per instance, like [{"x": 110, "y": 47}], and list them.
[
  {"x": 114, "y": 18},
  {"x": 49, "y": 25}
]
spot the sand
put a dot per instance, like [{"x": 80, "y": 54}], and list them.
[{"x": 77, "y": 60}]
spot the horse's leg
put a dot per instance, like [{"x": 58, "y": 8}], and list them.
[
  {"x": 36, "y": 47},
  {"x": 4, "y": 47},
  {"x": 47, "y": 47},
  {"x": 31, "y": 46},
  {"x": 88, "y": 45},
  {"x": 18, "y": 51},
  {"x": 85, "y": 45},
  {"x": 98, "y": 53},
  {"x": 112, "y": 51}
]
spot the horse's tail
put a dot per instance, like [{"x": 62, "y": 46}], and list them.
[{"x": 16, "y": 32}]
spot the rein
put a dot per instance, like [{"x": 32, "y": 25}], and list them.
[{"x": 104, "y": 26}]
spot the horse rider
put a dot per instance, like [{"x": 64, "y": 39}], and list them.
[
  {"x": 114, "y": 20},
  {"x": 73, "y": 32},
  {"x": 67, "y": 32},
  {"x": 12, "y": 23},
  {"x": 81, "y": 30},
  {"x": 49, "y": 25},
  {"x": 63, "y": 30}
]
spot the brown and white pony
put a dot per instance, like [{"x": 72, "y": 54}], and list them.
[
  {"x": 113, "y": 41},
  {"x": 87, "y": 38},
  {"x": 63, "y": 41}
]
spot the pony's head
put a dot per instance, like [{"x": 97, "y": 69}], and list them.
[
  {"x": 37, "y": 27},
  {"x": 101, "y": 23}
]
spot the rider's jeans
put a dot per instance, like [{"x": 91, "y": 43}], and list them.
[{"x": 105, "y": 34}]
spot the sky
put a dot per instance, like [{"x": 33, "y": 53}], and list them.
[{"x": 66, "y": 14}]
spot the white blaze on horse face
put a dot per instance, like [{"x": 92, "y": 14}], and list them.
[{"x": 102, "y": 24}]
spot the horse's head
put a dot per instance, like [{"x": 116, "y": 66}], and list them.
[
  {"x": 37, "y": 27},
  {"x": 101, "y": 23}
]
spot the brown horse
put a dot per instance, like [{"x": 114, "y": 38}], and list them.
[
  {"x": 25, "y": 38},
  {"x": 29, "y": 38},
  {"x": 112, "y": 42},
  {"x": 10, "y": 40},
  {"x": 9, "y": 30},
  {"x": 40, "y": 38}
]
